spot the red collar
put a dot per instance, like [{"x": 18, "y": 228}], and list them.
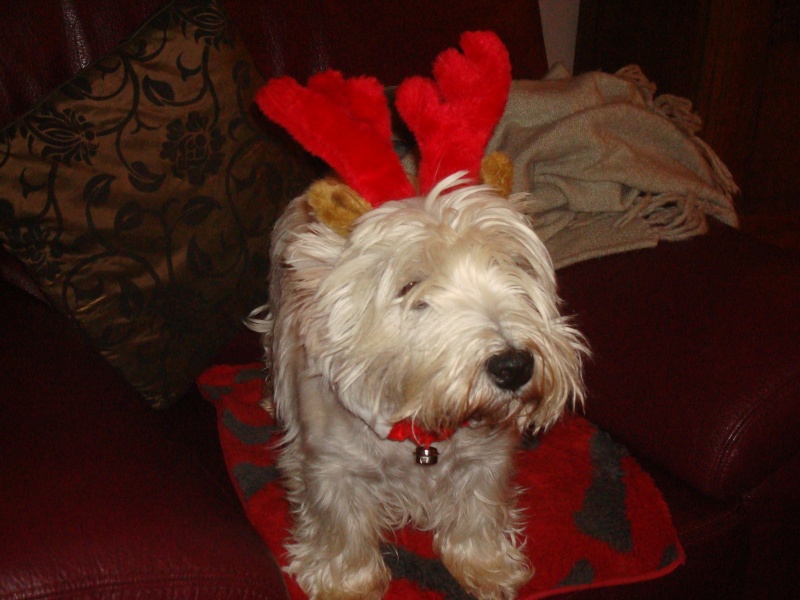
[{"x": 407, "y": 430}]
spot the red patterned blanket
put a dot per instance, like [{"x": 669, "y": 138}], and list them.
[{"x": 595, "y": 518}]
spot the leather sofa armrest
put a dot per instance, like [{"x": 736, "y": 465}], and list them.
[
  {"x": 102, "y": 496},
  {"x": 696, "y": 361}
]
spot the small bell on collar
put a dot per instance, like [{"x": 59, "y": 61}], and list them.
[{"x": 426, "y": 455}]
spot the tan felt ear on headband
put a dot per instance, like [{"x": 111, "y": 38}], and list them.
[
  {"x": 336, "y": 204},
  {"x": 497, "y": 170}
]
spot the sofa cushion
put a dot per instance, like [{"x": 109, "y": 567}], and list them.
[
  {"x": 696, "y": 363},
  {"x": 103, "y": 497},
  {"x": 141, "y": 195}
]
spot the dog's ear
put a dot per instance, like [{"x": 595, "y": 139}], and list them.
[{"x": 335, "y": 204}]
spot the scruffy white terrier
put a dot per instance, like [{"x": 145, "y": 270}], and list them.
[{"x": 407, "y": 357}]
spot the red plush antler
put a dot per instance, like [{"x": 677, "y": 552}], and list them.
[
  {"x": 346, "y": 122},
  {"x": 453, "y": 117}
]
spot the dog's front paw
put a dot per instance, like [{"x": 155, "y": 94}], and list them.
[
  {"x": 488, "y": 573},
  {"x": 343, "y": 577}
]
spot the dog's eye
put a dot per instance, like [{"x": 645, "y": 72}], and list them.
[
  {"x": 407, "y": 288},
  {"x": 419, "y": 304}
]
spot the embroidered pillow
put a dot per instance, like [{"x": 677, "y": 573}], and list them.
[{"x": 140, "y": 195}]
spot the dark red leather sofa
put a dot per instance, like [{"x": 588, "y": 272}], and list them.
[{"x": 696, "y": 363}]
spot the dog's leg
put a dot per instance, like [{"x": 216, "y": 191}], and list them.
[
  {"x": 478, "y": 538},
  {"x": 335, "y": 541}
]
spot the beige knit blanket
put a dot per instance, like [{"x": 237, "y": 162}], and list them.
[{"x": 608, "y": 166}]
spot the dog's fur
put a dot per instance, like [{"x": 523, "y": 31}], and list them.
[{"x": 397, "y": 321}]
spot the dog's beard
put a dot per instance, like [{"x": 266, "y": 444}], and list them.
[{"x": 420, "y": 297}]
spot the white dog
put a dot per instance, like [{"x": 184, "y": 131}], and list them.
[
  {"x": 441, "y": 310},
  {"x": 409, "y": 347}
]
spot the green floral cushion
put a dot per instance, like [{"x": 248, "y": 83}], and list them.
[{"x": 140, "y": 195}]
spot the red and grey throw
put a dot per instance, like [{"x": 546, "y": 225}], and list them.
[{"x": 594, "y": 517}]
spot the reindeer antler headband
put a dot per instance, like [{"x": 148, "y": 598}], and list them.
[{"x": 347, "y": 123}]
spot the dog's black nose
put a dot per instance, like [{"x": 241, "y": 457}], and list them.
[{"x": 512, "y": 369}]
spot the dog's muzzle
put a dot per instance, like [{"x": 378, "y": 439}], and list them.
[{"x": 510, "y": 370}]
